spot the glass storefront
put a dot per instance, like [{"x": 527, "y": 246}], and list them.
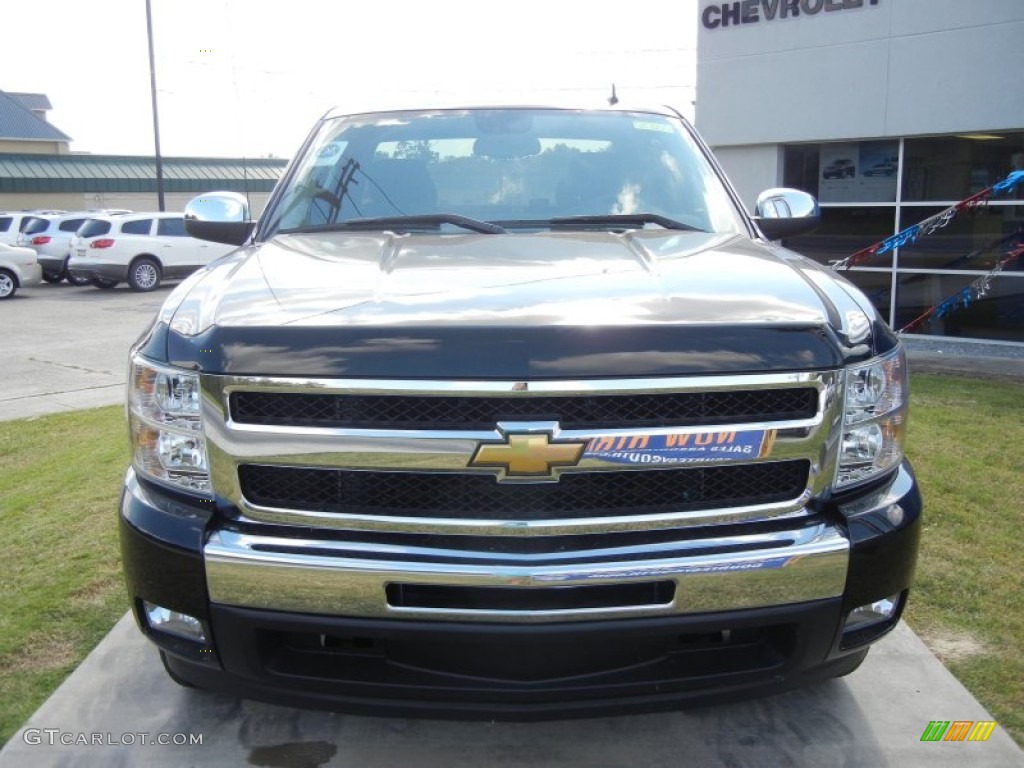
[{"x": 871, "y": 190}]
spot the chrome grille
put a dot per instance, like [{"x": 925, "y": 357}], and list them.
[
  {"x": 361, "y": 411},
  {"x": 587, "y": 494},
  {"x": 394, "y": 456}
]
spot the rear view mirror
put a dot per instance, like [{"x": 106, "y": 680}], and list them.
[
  {"x": 220, "y": 217},
  {"x": 786, "y": 213},
  {"x": 506, "y": 146}
]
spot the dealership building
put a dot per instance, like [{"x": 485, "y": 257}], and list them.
[
  {"x": 889, "y": 111},
  {"x": 38, "y": 170}
]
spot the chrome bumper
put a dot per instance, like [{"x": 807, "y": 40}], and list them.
[
  {"x": 345, "y": 579},
  {"x": 31, "y": 274}
]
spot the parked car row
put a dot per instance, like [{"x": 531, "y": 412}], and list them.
[
  {"x": 102, "y": 248},
  {"x": 48, "y": 233}
]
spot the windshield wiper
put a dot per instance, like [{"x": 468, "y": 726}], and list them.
[
  {"x": 601, "y": 221},
  {"x": 420, "y": 221},
  {"x": 619, "y": 221}
]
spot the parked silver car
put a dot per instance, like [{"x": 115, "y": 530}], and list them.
[{"x": 18, "y": 267}]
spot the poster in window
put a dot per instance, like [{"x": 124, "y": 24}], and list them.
[
  {"x": 863, "y": 172},
  {"x": 838, "y": 170},
  {"x": 878, "y": 166}
]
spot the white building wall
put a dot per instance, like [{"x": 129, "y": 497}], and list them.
[
  {"x": 958, "y": 81},
  {"x": 897, "y": 68},
  {"x": 752, "y": 169}
]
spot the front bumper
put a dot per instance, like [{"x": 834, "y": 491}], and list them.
[
  {"x": 319, "y": 625},
  {"x": 321, "y": 577}
]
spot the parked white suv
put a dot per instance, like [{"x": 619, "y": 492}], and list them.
[
  {"x": 140, "y": 248},
  {"x": 50, "y": 237},
  {"x": 12, "y": 222}
]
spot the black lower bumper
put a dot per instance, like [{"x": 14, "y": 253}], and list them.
[{"x": 514, "y": 671}]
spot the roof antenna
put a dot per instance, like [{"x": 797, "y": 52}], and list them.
[{"x": 613, "y": 99}]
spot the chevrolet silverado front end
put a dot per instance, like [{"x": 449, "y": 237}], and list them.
[{"x": 514, "y": 413}]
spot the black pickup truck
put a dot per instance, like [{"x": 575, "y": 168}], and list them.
[{"x": 514, "y": 413}]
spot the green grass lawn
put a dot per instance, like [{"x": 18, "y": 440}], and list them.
[
  {"x": 967, "y": 603},
  {"x": 60, "y": 583},
  {"x": 62, "y": 589}
]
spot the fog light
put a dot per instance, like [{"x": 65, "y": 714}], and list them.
[
  {"x": 174, "y": 623},
  {"x": 872, "y": 613}
]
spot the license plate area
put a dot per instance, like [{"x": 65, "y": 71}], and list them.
[{"x": 563, "y": 598}]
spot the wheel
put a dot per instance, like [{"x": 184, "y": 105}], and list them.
[
  {"x": 50, "y": 277},
  {"x": 76, "y": 279},
  {"x": 144, "y": 274},
  {"x": 100, "y": 282},
  {"x": 172, "y": 674},
  {"x": 8, "y": 284}
]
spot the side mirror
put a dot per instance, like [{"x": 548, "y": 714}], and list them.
[
  {"x": 786, "y": 213},
  {"x": 221, "y": 217}
]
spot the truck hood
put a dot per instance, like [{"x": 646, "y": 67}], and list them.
[{"x": 588, "y": 293}]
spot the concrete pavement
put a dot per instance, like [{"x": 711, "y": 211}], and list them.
[
  {"x": 870, "y": 719},
  {"x": 66, "y": 347}
]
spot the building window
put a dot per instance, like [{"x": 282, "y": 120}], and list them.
[
  {"x": 972, "y": 241},
  {"x": 950, "y": 168},
  {"x": 844, "y": 231},
  {"x": 870, "y": 190},
  {"x": 998, "y": 315},
  {"x": 845, "y": 172}
]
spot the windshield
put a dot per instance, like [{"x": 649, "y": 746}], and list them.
[{"x": 518, "y": 168}]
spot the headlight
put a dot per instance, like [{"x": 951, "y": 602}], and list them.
[
  {"x": 166, "y": 426},
  {"x": 875, "y": 419}
]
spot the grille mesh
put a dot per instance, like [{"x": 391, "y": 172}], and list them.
[
  {"x": 571, "y": 411},
  {"x": 584, "y": 494}
]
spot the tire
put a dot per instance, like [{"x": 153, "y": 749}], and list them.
[
  {"x": 851, "y": 663},
  {"x": 8, "y": 284},
  {"x": 171, "y": 674},
  {"x": 144, "y": 274},
  {"x": 76, "y": 280},
  {"x": 50, "y": 277},
  {"x": 106, "y": 285}
]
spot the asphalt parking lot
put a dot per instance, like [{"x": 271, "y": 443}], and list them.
[{"x": 66, "y": 348}]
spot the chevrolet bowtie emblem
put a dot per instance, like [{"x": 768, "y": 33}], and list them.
[{"x": 529, "y": 455}]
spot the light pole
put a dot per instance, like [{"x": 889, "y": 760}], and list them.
[{"x": 156, "y": 120}]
